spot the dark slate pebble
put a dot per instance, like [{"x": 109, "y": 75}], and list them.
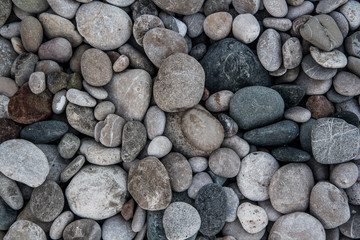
[
  {"x": 276, "y": 134},
  {"x": 290, "y": 154},
  {"x": 7, "y": 215},
  {"x": 256, "y": 106},
  {"x": 305, "y": 135},
  {"x": 44, "y": 132},
  {"x": 292, "y": 94},
  {"x": 155, "y": 228},
  {"x": 211, "y": 205},
  {"x": 351, "y": 228},
  {"x": 231, "y": 65},
  {"x": 335, "y": 97},
  {"x": 349, "y": 117},
  {"x": 8, "y": 129}
]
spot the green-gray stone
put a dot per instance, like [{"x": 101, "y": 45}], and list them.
[
  {"x": 74, "y": 81},
  {"x": 276, "y": 134},
  {"x": 292, "y": 94},
  {"x": 155, "y": 229},
  {"x": 305, "y": 135},
  {"x": 44, "y": 132},
  {"x": 32, "y": 6},
  {"x": 231, "y": 65},
  {"x": 68, "y": 145},
  {"x": 290, "y": 154}
]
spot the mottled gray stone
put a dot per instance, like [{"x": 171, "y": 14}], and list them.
[
  {"x": 81, "y": 118},
  {"x": 44, "y": 131},
  {"x": 268, "y": 49},
  {"x": 58, "y": 49},
  {"x": 65, "y": 8},
  {"x": 32, "y": 6},
  {"x": 82, "y": 229},
  {"x": 133, "y": 140},
  {"x": 351, "y": 228},
  {"x": 117, "y": 228},
  {"x": 344, "y": 175},
  {"x": 23, "y": 67},
  {"x": 59, "y": 224},
  {"x": 252, "y": 217},
  {"x": 315, "y": 71},
  {"x": 10, "y": 193},
  {"x": 98, "y": 154},
  {"x": 68, "y": 145},
  {"x": 23, "y": 229},
  {"x": 186, "y": 7},
  {"x": 351, "y": 11},
  {"x": 290, "y": 154}
]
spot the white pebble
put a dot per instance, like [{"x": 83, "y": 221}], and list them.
[
  {"x": 245, "y": 28},
  {"x": 252, "y": 217},
  {"x": 159, "y": 147}
]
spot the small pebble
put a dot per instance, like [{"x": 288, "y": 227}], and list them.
[
  {"x": 68, "y": 145},
  {"x": 279, "y": 24},
  {"x": 344, "y": 175},
  {"x": 117, "y": 227},
  {"x": 297, "y": 114},
  {"x": 103, "y": 109},
  {"x": 239, "y": 145},
  {"x": 59, "y": 102},
  {"x": 245, "y": 28},
  {"x": 291, "y": 53},
  {"x": 57, "y": 49},
  {"x": 252, "y": 217},
  {"x": 198, "y": 164},
  {"x": 333, "y": 59},
  {"x": 138, "y": 220},
  {"x": 10, "y": 193},
  {"x": 269, "y": 49},
  {"x": 224, "y": 162},
  {"x": 59, "y": 224},
  {"x": 199, "y": 180},
  {"x": 346, "y": 84},
  {"x": 351, "y": 11},
  {"x": 154, "y": 122},
  {"x": 82, "y": 228},
  {"x": 121, "y": 63},
  {"x": 72, "y": 168},
  {"x": 111, "y": 132},
  {"x": 133, "y": 140},
  {"x": 127, "y": 212},
  {"x": 96, "y": 153},
  {"x": 159, "y": 147},
  {"x": 80, "y": 98},
  {"x": 218, "y": 25},
  {"x": 97, "y": 92}
]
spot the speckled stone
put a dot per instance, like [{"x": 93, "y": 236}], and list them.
[
  {"x": 154, "y": 122},
  {"x": 23, "y": 229},
  {"x": 59, "y": 224},
  {"x": 346, "y": 84},
  {"x": 7, "y": 56},
  {"x": 72, "y": 168},
  {"x": 117, "y": 227},
  {"x": 245, "y": 28},
  {"x": 82, "y": 228},
  {"x": 236, "y": 143},
  {"x": 8, "y": 129},
  {"x": 23, "y": 67},
  {"x": 351, "y": 11},
  {"x": 10, "y": 193},
  {"x": 224, "y": 162},
  {"x": 312, "y": 86},
  {"x": 98, "y": 154},
  {"x": 31, "y": 33},
  {"x": 252, "y": 217},
  {"x": 290, "y": 154},
  {"x": 333, "y": 59},
  {"x": 111, "y": 132},
  {"x": 319, "y": 106},
  {"x": 344, "y": 175},
  {"x": 133, "y": 140},
  {"x": 68, "y": 145},
  {"x": 218, "y": 25},
  {"x": 81, "y": 118},
  {"x": 58, "y": 49}
]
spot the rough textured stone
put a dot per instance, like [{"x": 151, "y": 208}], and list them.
[
  {"x": 94, "y": 14},
  {"x": 111, "y": 132},
  {"x": 269, "y": 49},
  {"x": 59, "y": 224},
  {"x": 44, "y": 132},
  {"x": 133, "y": 140},
  {"x": 291, "y": 53},
  {"x": 81, "y": 118},
  {"x": 68, "y": 145},
  {"x": 82, "y": 229},
  {"x": 319, "y": 106},
  {"x": 23, "y": 229},
  {"x": 231, "y": 65},
  {"x": 291, "y": 94},
  {"x": 181, "y": 77},
  {"x": 334, "y": 141},
  {"x": 211, "y": 205},
  {"x": 351, "y": 228},
  {"x": 186, "y": 7},
  {"x": 103, "y": 192},
  {"x": 154, "y": 122},
  {"x": 149, "y": 184},
  {"x": 58, "y": 49},
  {"x": 8, "y": 130},
  {"x": 23, "y": 67},
  {"x": 252, "y": 217},
  {"x": 98, "y": 154},
  {"x": 72, "y": 168},
  {"x": 10, "y": 193},
  {"x": 7, "y": 57},
  {"x": 224, "y": 162},
  {"x": 281, "y": 189},
  {"x": 346, "y": 84},
  {"x": 245, "y": 28},
  {"x": 279, "y": 24},
  {"x": 333, "y": 59},
  {"x": 155, "y": 228}
]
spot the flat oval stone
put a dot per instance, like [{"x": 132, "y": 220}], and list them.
[
  {"x": 238, "y": 232},
  {"x": 329, "y": 6},
  {"x": 23, "y": 229},
  {"x": 346, "y": 84},
  {"x": 133, "y": 140},
  {"x": 10, "y": 193},
  {"x": 117, "y": 227},
  {"x": 351, "y": 228},
  {"x": 211, "y": 205},
  {"x": 59, "y": 224},
  {"x": 94, "y": 14},
  {"x": 44, "y": 132},
  {"x": 256, "y": 106},
  {"x": 282, "y": 196},
  {"x": 224, "y": 162},
  {"x": 329, "y": 204},
  {"x": 31, "y": 33},
  {"x": 315, "y": 70},
  {"x": 181, "y": 77},
  {"x": 97, "y": 92},
  {"x": 154, "y": 122},
  {"x": 333, "y": 59},
  {"x": 179, "y": 171},
  {"x": 312, "y": 86},
  {"x": 130, "y": 91},
  {"x": 231, "y": 65},
  {"x": 111, "y": 132},
  {"x": 335, "y": 97},
  {"x": 32, "y": 6},
  {"x": 103, "y": 192},
  {"x": 58, "y": 49},
  {"x": 276, "y": 8},
  {"x": 80, "y": 98},
  {"x": 81, "y": 118},
  {"x": 344, "y": 175},
  {"x": 334, "y": 141},
  {"x": 219, "y": 101},
  {"x": 22, "y": 161},
  {"x": 82, "y": 229},
  {"x": 186, "y": 7},
  {"x": 98, "y": 154},
  {"x": 297, "y": 114},
  {"x": 350, "y": 10},
  {"x": 291, "y": 53},
  {"x": 269, "y": 50},
  {"x": 351, "y": 44},
  {"x": 66, "y": 8},
  {"x": 279, "y": 24},
  {"x": 72, "y": 168},
  {"x": 59, "y": 102},
  {"x": 160, "y": 43},
  {"x": 290, "y": 154},
  {"x": 255, "y": 174},
  {"x": 297, "y": 226},
  {"x": 47, "y": 201},
  {"x": 181, "y": 221},
  {"x": 7, "y": 215},
  {"x": 149, "y": 184},
  {"x": 252, "y": 217},
  {"x": 103, "y": 109}
]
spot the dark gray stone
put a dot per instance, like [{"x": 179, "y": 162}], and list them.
[
  {"x": 198, "y": 51},
  {"x": 211, "y": 205},
  {"x": 231, "y": 65},
  {"x": 5, "y": 10},
  {"x": 276, "y": 134},
  {"x": 305, "y": 135},
  {"x": 256, "y": 106},
  {"x": 229, "y": 125},
  {"x": 348, "y": 116},
  {"x": 44, "y": 132},
  {"x": 133, "y": 140},
  {"x": 335, "y": 97},
  {"x": 290, "y": 154},
  {"x": 154, "y": 224},
  {"x": 7, "y": 57},
  {"x": 217, "y": 179},
  {"x": 291, "y": 94},
  {"x": 333, "y": 141},
  {"x": 351, "y": 228},
  {"x": 23, "y": 67},
  {"x": 7, "y": 215}
]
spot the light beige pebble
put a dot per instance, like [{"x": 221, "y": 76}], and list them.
[
  {"x": 17, "y": 45},
  {"x": 279, "y": 24},
  {"x": 37, "y": 82},
  {"x": 59, "y": 102},
  {"x": 154, "y": 122},
  {"x": 159, "y": 147},
  {"x": 80, "y": 98},
  {"x": 199, "y": 180},
  {"x": 347, "y": 84},
  {"x": 198, "y": 164},
  {"x": 138, "y": 220},
  {"x": 292, "y": 53},
  {"x": 97, "y": 92},
  {"x": 246, "y": 6},
  {"x": 353, "y": 66},
  {"x": 224, "y": 162},
  {"x": 121, "y": 63},
  {"x": 272, "y": 214},
  {"x": 31, "y": 32},
  {"x": 98, "y": 154},
  {"x": 72, "y": 168},
  {"x": 245, "y": 28},
  {"x": 218, "y": 25},
  {"x": 59, "y": 224},
  {"x": 276, "y": 8},
  {"x": 219, "y": 101},
  {"x": 332, "y": 59},
  {"x": 111, "y": 133},
  {"x": 344, "y": 175},
  {"x": 297, "y": 114},
  {"x": 103, "y": 109},
  {"x": 97, "y": 130},
  {"x": 4, "y": 102},
  {"x": 143, "y": 24},
  {"x": 296, "y": 11},
  {"x": 236, "y": 143},
  {"x": 351, "y": 10},
  {"x": 8, "y": 87},
  {"x": 75, "y": 61},
  {"x": 141, "y": 235},
  {"x": 252, "y": 217}
]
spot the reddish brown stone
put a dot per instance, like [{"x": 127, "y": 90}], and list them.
[
  {"x": 128, "y": 210},
  {"x": 319, "y": 106},
  {"x": 205, "y": 95},
  {"x": 8, "y": 129},
  {"x": 26, "y": 107}
]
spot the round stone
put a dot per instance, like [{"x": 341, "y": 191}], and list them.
[
  {"x": 104, "y": 26},
  {"x": 276, "y": 8},
  {"x": 159, "y": 147},
  {"x": 121, "y": 63},
  {"x": 57, "y": 49},
  {"x": 230, "y": 126},
  {"x": 297, "y": 114},
  {"x": 246, "y": 6},
  {"x": 329, "y": 204},
  {"x": 346, "y": 84},
  {"x": 292, "y": 53},
  {"x": 179, "y": 171},
  {"x": 154, "y": 122},
  {"x": 37, "y": 82},
  {"x": 81, "y": 118},
  {"x": 8, "y": 129},
  {"x": 218, "y": 25},
  {"x": 96, "y": 67},
  {"x": 219, "y": 101},
  {"x": 252, "y": 217},
  {"x": 297, "y": 226},
  {"x": 256, "y": 106},
  {"x": 31, "y": 33},
  {"x": 149, "y": 184},
  {"x": 103, "y": 109},
  {"x": 68, "y": 145},
  {"x": 23, "y": 229},
  {"x": 269, "y": 50},
  {"x": 59, "y": 224},
  {"x": 8, "y": 87},
  {"x": 186, "y": 7},
  {"x": 82, "y": 229},
  {"x": 143, "y": 24},
  {"x": 103, "y": 192},
  {"x": 312, "y": 86},
  {"x": 133, "y": 140},
  {"x": 236, "y": 143},
  {"x": 224, "y": 162},
  {"x": 245, "y": 28},
  {"x": 181, "y": 77},
  {"x": 333, "y": 141},
  {"x": 198, "y": 164},
  {"x": 344, "y": 175},
  {"x": 117, "y": 227},
  {"x": 160, "y": 43},
  {"x": 47, "y": 201},
  {"x": 181, "y": 221}
]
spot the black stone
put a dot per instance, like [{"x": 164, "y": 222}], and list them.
[
  {"x": 276, "y": 134},
  {"x": 290, "y": 154},
  {"x": 292, "y": 94},
  {"x": 349, "y": 117},
  {"x": 211, "y": 205},
  {"x": 154, "y": 224},
  {"x": 231, "y": 65},
  {"x": 305, "y": 135},
  {"x": 335, "y": 97},
  {"x": 7, "y": 215},
  {"x": 44, "y": 132}
]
